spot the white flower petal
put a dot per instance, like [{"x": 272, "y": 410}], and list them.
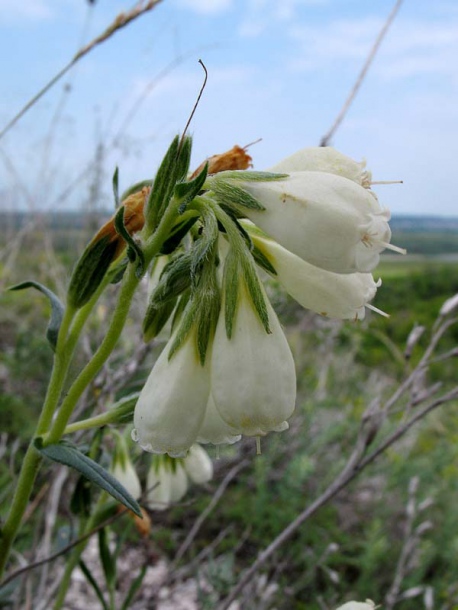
[
  {"x": 253, "y": 379},
  {"x": 165, "y": 485},
  {"x": 335, "y": 295},
  {"x": 324, "y": 159},
  {"x": 171, "y": 407},
  {"x": 326, "y": 219},
  {"x": 198, "y": 465},
  {"x": 214, "y": 430}
]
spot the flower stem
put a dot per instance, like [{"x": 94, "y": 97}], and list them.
[{"x": 67, "y": 339}]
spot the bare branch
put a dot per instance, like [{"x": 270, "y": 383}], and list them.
[
  {"x": 120, "y": 22},
  {"x": 348, "y": 102}
]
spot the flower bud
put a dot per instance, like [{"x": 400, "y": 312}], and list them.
[
  {"x": 123, "y": 470},
  {"x": 253, "y": 379},
  {"x": 324, "y": 159},
  {"x": 128, "y": 478},
  {"x": 327, "y": 220},
  {"x": 104, "y": 248},
  {"x": 198, "y": 465},
  {"x": 171, "y": 405},
  {"x": 166, "y": 483},
  {"x": 336, "y": 295}
]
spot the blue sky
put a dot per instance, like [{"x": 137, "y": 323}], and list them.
[{"x": 279, "y": 71}]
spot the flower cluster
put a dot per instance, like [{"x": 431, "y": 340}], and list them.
[{"x": 314, "y": 224}]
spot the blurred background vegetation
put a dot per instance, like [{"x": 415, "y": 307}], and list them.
[{"x": 352, "y": 547}]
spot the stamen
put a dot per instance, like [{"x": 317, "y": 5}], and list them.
[
  {"x": 258, "y": 445},
  {"x": 377, "y": 310},
  {"x": 392, "y": 247},
  {"x": 387, "y": 182}
]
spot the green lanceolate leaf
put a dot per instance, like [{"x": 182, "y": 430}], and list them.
[
  {"x": 183, "y": 160},
  {"x": 186, "y": 191},
  {"x": 134, "y": 252},
  {"x": 231, "y": 290},
  {"x": 205, "y": 244},
  {"x": 90, "y": 271},
  {"x": 178, "y": 232},
  {"x": 65, "y": 453},
  {"x": 107, "y": 560},
  {"x": 115, "y": 182},
  {"x": 57, "y": 309},
  {"x": 256, "y": 292},
  {"x": 250, "y": 176},
  {"x": 134, "y": 587},
  {"x": 164, "y": 183},
  {"x": 175, "y": 279},
  {"x": 262, "y": 260},
  {"x": 93, "y": 582},
  {"x": 209, "y": 304},
  {"x": 228, "y": 193},
  {"x": 156, "y": 318}
]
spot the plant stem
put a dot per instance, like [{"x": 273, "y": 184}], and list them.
[{"x": 66, "y": 343}]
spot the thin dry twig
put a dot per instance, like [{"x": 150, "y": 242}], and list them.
[
  {"x": 64, "y": 550},
  {"x": 348, "y": 102},
  {"x": 121, "y": 21},
  {"x": 214, "y": 501}
]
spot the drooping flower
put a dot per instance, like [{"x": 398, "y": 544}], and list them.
[
  {"x": 198, "y": 465},
  {"x": 126, "y": 474},
  {"x": 328, "y": 220},
  {"x": 253, "y": 378},
  {"x": 166, "y": 483},
  {"x": 335, "y": 295},
  {"x": 171, "y": 406},
  {"x": 325, "y": 159},
  {"x": 122, "y": 468},
  {"x": 168, "y": 478}
]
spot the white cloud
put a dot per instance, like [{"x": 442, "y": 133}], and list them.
[
  {"x": 411, "y": 48},
  {"x": 207, "y": 7}
]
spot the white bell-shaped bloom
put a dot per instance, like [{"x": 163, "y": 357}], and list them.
[
  {"x": 324, "y": 159},
  {"x": 171, "y": 406},
  {"x": 336, "y": 295},
  {"x": 327, "y": 220},
  {"x": 125, "y": 473},
  {"x": 367, "y": 605},
  {"x": 166, "y": 484},
  {"x": 214, "y": 430},
  {"x": 198, "y": 465},
  {"x": 253, "y": 379}
]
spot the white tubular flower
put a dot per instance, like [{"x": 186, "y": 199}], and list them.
[
  {"x": 166, "y": 484},
  {"x": 214, "y": 430},
  {"x": 336, "y": 295},
  {"x": 125, "y": 473},
  {"x": 171, "y": 406},
  {"x": 198, "y": 465},
  {"x": 324, "y": 159},
  {"x": 327, "y": 220},
  {"x": 253, "y": 379},
  {"x": 367, "y": 605}
]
